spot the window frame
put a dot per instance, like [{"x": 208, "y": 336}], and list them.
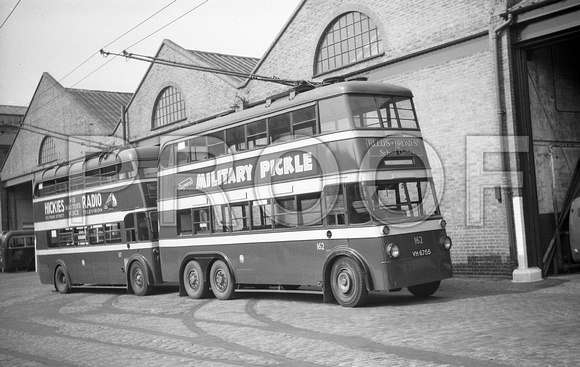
[
  {"x": 47, "y": 152},
  {"x": 346, "y": 36},
  {"x": 171, "y": 104}
]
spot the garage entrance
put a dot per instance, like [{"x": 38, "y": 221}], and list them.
[{"x": 547, "y": 75}]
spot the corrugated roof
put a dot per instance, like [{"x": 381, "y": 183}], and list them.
[
  {"x": 105, "y": 106},
  {"x": 240, "y": 64}
]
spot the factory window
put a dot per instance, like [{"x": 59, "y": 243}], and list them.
[
  {"x": 350, "y": 38},
  {"x": 169, "y": 107},
  {"x": 47, "y": 152}
]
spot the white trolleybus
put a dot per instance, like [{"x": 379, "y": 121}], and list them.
[
  {"x": 328, "y": 190},
  {"x": 96, "y": 222}
]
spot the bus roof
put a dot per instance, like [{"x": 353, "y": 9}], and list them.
[
  {"x": 100, "y": 159},
  {"x": 286, "y": 100},
  {"x": 16, "y": 232}
]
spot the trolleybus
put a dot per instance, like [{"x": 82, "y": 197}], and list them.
[
  {"x": 329, "y": 190},
  {"x": 96, "y": 222},
  {"x": 17, "y": 250}
]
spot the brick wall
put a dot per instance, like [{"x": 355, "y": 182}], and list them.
[
  {"x": 204, "y": 94},
  {"x": 452, "y": 105}
]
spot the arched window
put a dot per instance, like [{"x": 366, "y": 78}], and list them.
[
  {"x": 352, "y": 37},
  {"x": 47, "y": 151},
  {"x": 169, "y": 107}
]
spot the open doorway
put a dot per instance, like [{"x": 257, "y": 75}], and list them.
[{"x": 549, "y": 75}]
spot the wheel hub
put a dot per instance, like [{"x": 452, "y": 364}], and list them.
[
  {"x": 220, "y": 280},
  {"x": 193, "y": 280},
  {"x": 138, "y": 277},
  {"x": 344, "y": 282}
]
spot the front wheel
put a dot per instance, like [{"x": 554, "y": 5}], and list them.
[
  {"x": 222, "y": 282},
  {"x": 61, "y": 280},
  {"x": 424, "y": 290},
  {"x": 194, "y": 281},
  {"x": 348, "y": 283},
  {"x": 138, "y": 279}
]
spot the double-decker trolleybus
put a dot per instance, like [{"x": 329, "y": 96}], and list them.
[
  {"x": 327, "y": 190},
  {"x": 96, "y": 222}
]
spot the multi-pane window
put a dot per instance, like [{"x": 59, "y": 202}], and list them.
[
  {"x": 237, "y": 217},
  {"x": 236, "y": 139},
  {"x": 334, "y": 202},
  {"x": 261, "y": 214},
  {"x": 285, "y": 214},
  {"x": 169, "y": 107},
  {"x": 351, "y": 38},
  {"x": 47, "y": 151}
]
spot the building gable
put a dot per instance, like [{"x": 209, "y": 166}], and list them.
[
  {"x": 60, "y": 113},
  {"x": 204, "y": 94}
]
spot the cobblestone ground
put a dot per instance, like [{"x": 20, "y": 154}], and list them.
[{"x": 468, "y": 322}]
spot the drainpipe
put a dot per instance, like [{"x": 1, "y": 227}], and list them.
[
  {"x": 124, "y": 124},
  {"x": 514, "y": 204}
]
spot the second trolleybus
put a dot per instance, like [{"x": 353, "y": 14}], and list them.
[
  {"x": 96, "y": 222},
  {"x": 327, "y": 190}
]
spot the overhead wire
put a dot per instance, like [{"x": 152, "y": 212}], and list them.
[
  {"x": 64, "y": 137},
  {"x": 168, "y": 24},
  {"x": 96, "y": 53},
  {"x": 141, "y": 40},
  {"x": 115, "y": 40},
  {"x": 14, "y": 8}
]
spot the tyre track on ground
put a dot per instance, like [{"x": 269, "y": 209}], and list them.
[{"x": 365, "y": 345}]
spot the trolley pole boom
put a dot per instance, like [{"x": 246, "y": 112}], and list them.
[{"x": 156, "y": 60}]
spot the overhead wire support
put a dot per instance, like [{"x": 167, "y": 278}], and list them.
[
  {"x": 156, "y": 60},
  {"x": 57, "y": 135}
]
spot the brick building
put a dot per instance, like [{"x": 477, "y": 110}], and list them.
[
  {"x": 60, "y": 124},
  {"x": 489, "y": 76}
]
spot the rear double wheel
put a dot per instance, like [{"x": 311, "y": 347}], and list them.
[
  {"x": 222, "y": 282},
  {"x": 348, "y": 283},
  {"x": 194, "y": 280}
]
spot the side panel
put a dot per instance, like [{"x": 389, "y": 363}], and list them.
[
  {"x": 100, "y": 265},
  {"x": 45, "y": 269},
  {"x": 301, "y": 262},
  {"x": 116, "y": 266},
  {"x": 80, "y": 266}
]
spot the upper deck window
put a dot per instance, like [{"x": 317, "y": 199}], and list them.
[
  {"x": 351, "y": 38},
  {"x": 382, "y": 112},
  {"x": 169, "y": 107},
  {"x": 366, "y": 112}
]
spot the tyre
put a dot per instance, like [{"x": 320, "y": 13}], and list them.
[
  {"x": 194, "y": 281},
  {"x": 424, "y": 290},
  {"x": 348, "y": 283},
  {"x": 222, "y": 282},
  {"x": 61, "y": 280},
  {"x": 138, "y": 279}
]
